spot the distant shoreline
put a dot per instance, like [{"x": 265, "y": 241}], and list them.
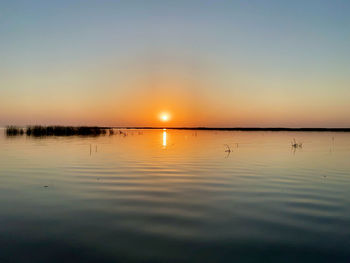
[
  {"x": 242, "y": 129},
  {"x": 102, "y": 129}
]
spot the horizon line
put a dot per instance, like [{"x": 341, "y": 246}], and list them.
[
  {"x": 240, "y": 128},
  {"x": 335, "y": 129}
]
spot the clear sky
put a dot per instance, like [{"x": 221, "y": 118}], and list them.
[{"x": 205, "y": 63}]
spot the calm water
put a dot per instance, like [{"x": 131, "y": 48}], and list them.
[{"x": 175, "y": 196}]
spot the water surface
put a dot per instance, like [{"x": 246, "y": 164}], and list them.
[{"x": 175, "y": 196}]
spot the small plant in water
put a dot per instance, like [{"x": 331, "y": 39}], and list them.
[
  {"x": 296, "y": 144},
  {"x": 228, "y": 150}
]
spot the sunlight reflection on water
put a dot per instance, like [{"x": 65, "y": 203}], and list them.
[{"x": 164, "y": 138}]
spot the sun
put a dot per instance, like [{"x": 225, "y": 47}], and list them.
[{"x": 164, "y": 117}]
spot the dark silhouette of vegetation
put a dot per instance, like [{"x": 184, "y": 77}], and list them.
[
  {"x": 228, "y": 148},
  {"x": 13, "y": 131},
  {"x": 296, "y": 144},
  {"x": 56, "y": 131},
  {"x": 96, "y": 131}
]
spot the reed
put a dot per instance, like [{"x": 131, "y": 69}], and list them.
[
  {"x": 296, "y": 144},
  {"x": 56, "y": 131},
  {"x": 14, "y": 130}
]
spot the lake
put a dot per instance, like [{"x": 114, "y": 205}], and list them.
[{"x": 176, "y": 196}]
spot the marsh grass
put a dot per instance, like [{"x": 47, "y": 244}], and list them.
[
  {"x": 296, "y": 144},
  {"x": 14, "y": 130},
  {"x": 39, "y": 131}
]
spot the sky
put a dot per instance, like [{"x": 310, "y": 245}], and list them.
[{"x": 203, "y": 63}]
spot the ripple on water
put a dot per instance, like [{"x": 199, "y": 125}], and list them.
[{"x": 187, "y": 202}]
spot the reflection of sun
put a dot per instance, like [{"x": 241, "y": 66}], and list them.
[{"x": 164, "y": 137}]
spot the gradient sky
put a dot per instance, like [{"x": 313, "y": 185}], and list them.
[{"x": 206, "y": 63}]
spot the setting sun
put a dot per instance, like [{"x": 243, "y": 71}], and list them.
[{"x": 164, "y": 117}]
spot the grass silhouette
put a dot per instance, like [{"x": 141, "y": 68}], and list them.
[
  {"x": 57, "y": 131},
  {"x": 13, "y": 131}
]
